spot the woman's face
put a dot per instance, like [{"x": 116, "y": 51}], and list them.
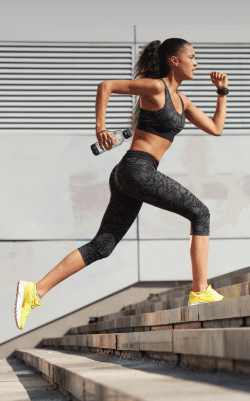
[{"x": 185, "y": 63}]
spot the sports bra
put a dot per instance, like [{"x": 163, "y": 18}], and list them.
[{"x": 166, "y": 122}]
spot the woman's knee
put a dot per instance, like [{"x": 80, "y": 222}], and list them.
[
  {"x": 105, "y": 243},
  {"x": 205, "y": 211},
  {"x": 200, "y": 225},
  {"x": 100, "y": 247}
]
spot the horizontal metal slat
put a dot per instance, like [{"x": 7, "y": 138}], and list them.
[
  {"x": 62, "y": 67},
  {"x": 37, "y": 103},
  {"x": 227, "y": 125},
  {"x": 55, "y": 97},
  {"x": 113, "y": 125},
  {"x": 88, "y": 82},
  {"x": 115, "y": 108},
  {"x": 62, "y": 114},
  {"x": 75, "y": 75},
  {"x": 83, "y": 58},
  {"x": 77, "y": 121},
  {"x": 45, "y": 105},
  {"x": 25, "y": 51},
  {"x": 66, "y": 70},
  {"x": 205, "y": 87},
  {"x": 83, "y": 116},
  {"x": 210, "y": 95},
  {"x": 216, "y": 48},
  {"x": 50, "y": 92},
  {"x": 90, "y": 131},
  {"x": 213, "y": 98},
  {"x": 109, "y": 126}
]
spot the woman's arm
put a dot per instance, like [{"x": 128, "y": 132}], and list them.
[
  {"x": 219, "y": 117},
  {"x": 105, "y": 139},
  {"x": 142, "y": 87},
  {"x": 213, "y": 126}
]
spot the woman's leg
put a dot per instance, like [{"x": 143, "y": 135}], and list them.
[
  {"x": 138, "y": 181},
  {"x": 118, "y": 218},
  {"x": 176, "y": 198},
  {"x": 151, "y": 186},
  {"x": 199, "y": 245},
  {"x": 71, "y": 264},
  {"x": 180, "y": 200}
]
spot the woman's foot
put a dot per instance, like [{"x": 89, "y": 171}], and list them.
[
  {"x": 26, "y": 300},
  {"x": 207, "y": 296}
]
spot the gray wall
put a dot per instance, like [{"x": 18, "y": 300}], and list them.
[{"x": 53, "y": 189}]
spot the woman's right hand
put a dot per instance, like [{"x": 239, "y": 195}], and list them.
[{"x": 105, "y": 140}]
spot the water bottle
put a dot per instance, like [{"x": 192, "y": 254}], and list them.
[{"x": 120, "y": 136}]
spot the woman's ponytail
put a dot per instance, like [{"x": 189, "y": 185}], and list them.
[{"x": 148, "y": 63}]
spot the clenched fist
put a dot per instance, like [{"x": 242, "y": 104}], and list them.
[
  {"x": 105, "y": 140},
  {"x": 219, "y": 80}
]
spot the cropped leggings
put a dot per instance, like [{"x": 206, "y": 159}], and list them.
[{"x": 135, "y": 180}]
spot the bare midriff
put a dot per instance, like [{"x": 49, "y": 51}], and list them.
[{"x": 150, "y": 143}]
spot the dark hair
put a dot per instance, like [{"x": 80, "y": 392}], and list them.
[{"x": 153, "y": 63}]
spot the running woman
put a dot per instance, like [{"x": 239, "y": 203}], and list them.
[{"x": 159, "y": 115}]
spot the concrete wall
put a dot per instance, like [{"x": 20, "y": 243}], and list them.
[{"x": 53, "y": 189}]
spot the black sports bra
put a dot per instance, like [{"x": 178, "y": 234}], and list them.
[{"x": 166, "y": 122}]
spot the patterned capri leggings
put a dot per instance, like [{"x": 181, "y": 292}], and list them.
[{"x": 135, "y": 180}]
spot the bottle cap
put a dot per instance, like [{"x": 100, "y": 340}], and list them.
[
  {"x": 127, "y": 133},
  {"x": 94, "y": 149}
]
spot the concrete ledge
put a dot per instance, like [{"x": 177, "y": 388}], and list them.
[
  {"x": 84, "y": 378},
  {"x": 92, "y": 376},
  {"x": 227, "y": 313},
  {"x": 128, "y": 341},
  {"x": 156, "y": 341},
  {"x": 173, "y": 308},
  {"x": 102, "y": 340},
  {"x": 22, "y": 383},
  {"x": 232, "y": 343},
  {"x": 97, "y": 377},
  {"x": 231, "y": 285}
]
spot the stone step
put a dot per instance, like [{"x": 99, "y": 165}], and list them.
[
  {"x": 213, "y": 314},
  {"x": 19, "y": 382},
  {"x": 185, "y": 289},
  {"x": 169, "y": 297},
  {"x": 229, "y": 346},
  {"x": 87, "y": 376}
]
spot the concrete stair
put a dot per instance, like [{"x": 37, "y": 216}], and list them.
[
  {"x": 93, "y": 377},
  {"x": 214, "y": 335},
  {"x": 18, "y": 382},
  {"x": 179, "y": 313},
  {"x": 178, "y": 297},
  {"x": 163, "y": 329}
]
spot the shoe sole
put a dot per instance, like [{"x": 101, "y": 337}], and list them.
[
  {"x": 19, "y": 302},
  {"x": 198, "y": 303}
]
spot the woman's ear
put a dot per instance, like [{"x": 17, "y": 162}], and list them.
[{"x": 161, "y": 43}]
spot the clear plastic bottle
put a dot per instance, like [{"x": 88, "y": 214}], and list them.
[{"x": 120, "y": 136}]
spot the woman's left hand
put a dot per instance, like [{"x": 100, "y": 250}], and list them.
[{"x": 219, "y": 80}]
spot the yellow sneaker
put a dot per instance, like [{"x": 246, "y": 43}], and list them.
[
  {"x": 209, "y": 295},
  {"x": 26, "y": 300}
]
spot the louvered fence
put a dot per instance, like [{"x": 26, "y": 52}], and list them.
[{"x": 52, "y": 87}]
